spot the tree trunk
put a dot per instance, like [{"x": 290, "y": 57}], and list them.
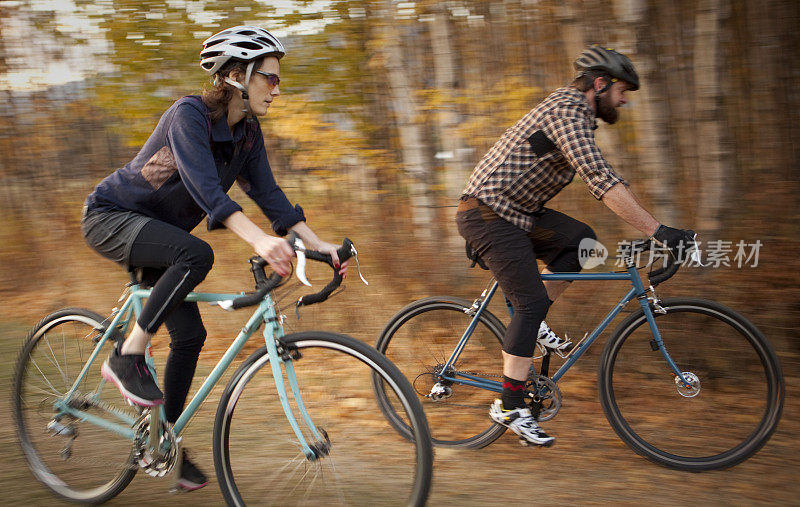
[
  {"x": 650, "y": 113},
  {"x": 404, "y": 105},
  {"x": 450, "y": 146},
  {"x": 707, "y": 98}
]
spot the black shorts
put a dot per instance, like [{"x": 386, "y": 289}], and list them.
[
  {"x": 511, "y": 255},
  {"x": 111, "y": 233}
]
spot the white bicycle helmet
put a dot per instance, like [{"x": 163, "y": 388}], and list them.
[
  {"x": 240, "y": 43},
  {"x": 243, "y": 43}
]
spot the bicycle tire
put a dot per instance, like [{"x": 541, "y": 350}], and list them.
[
  {"x": 74, "y": 478},
  {"x": 418, "y": 339},
  {"x": 737, "y": 372},
  {"x": 368, "y": 463}
]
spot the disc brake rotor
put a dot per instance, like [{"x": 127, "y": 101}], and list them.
[{"x": 692, "y": 389}]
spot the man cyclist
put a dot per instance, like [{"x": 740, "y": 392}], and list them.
[{"x": 503, "y": 218}]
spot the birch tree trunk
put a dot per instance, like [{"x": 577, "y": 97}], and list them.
[
  {"x": 451, "y": 146},
  {"x": 650, "y": 113},
  {"x": 707, "y": 98},
  {"x": 405, "y": 107}
]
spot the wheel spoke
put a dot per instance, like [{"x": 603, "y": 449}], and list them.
[
  {"x": 55, "y": 362},
  {"x": 366, "y": 452},
  {"x": 96, "y": 467},
  {"x": 733, "y": 408},
  {"x": 419, "y": 340},
  {"x": 44, "y": 377}
]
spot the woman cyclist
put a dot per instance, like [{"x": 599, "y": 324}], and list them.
[{"x": 141, "y": 215}]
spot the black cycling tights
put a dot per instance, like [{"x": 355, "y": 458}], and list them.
[{"x": 174, "y": 262}]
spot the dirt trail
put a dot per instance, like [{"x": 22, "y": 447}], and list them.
[{"x": 588, "y": 465}]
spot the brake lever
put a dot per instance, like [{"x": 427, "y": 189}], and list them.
[
  {"x": 694, "y": 253},
  {"x": 358, "y": 267},
  {"x": 300, "y": 251}
]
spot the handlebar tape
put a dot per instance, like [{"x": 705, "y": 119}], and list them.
[
  {"x": 265, "y": 285},
  {"x": 253, "y": 299},
  {"x": 344, "y": 253}
]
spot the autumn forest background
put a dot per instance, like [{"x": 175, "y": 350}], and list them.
[{"x": 386, "y": 107}]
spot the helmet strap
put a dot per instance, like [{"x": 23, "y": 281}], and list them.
[{"x": 243, "y": 87}]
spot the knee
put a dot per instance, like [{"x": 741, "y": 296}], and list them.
[
  {"x": 204, "y": 255},
  {"x": 198, "y": 255},
  {"x": 586, "y": 232},
  {"x": 533, "y": 311}
]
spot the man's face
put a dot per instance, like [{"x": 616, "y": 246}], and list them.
[{"x": 610, "y": 100}]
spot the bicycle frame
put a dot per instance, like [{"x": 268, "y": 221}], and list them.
[
  {"x": 637, "y": 291},
  {"x": 264, "y": 313}
]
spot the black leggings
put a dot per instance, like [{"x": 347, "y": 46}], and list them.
[
  {"x": 511, "y": 254},
  {"x": 174, "y": 262}
]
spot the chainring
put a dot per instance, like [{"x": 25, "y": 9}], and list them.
[
  {"x": 154, "y": 466},
  {"x": 543, "y": 391}
]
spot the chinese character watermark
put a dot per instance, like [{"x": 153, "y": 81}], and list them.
[{"x": 714, "y": 254}]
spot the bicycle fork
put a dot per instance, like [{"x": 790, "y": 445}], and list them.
[{"x": 279, "y": 355}]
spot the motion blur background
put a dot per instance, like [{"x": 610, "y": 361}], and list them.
[{"x": 386, "y": 107}]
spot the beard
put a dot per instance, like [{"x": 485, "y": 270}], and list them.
[{"x": 606, "y": 111}]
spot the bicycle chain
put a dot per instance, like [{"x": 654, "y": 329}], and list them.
[
  {"x": 107, "y": 407},
  {"x": 494, "y": 375}
]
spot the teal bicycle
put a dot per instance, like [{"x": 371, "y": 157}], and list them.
[
  {"x": 321, "y": 440},
  {"x": 688, "y": 383}
]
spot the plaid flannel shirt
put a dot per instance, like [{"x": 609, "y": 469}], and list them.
[{"x": 515, "y": 182}]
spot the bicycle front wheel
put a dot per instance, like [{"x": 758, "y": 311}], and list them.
[
  {"x": 419, "y": 340},
  {"x": 364, "y": 462},
  {"x": 728, "y": 412},
  {"x": 77, "y": 460}
]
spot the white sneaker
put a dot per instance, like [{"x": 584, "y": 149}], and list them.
[
  {"x": 521, "y": 422},
  {"x": 548, "y": 339}
]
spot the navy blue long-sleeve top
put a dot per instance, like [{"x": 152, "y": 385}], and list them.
[{"x": 183, "y": 172}]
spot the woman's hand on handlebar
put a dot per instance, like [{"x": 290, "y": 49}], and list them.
[
  {"x": 312, "y": 242},
  {"x": 277, "y": 253},
  {"x": 331, "y": 249}
]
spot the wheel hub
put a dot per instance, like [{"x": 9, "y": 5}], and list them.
[
  {"x": 691, "y": 389},
  {"x": 439, "y": 389}
]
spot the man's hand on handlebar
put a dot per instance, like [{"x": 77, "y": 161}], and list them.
[{"x": 678, "y": 241}]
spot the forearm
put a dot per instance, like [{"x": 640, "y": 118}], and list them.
[
  {"x": 623, "y": 203},
  {"x": 275, "y": 251},
  {"x": 312, "y": 242},
  {"x": 243, "y": 227},
  {"x": 308, "y": 236}
]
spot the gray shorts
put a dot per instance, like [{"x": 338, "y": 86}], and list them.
[{"x": 111, "y": 233}]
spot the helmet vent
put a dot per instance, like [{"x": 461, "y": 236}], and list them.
[{"x": 247, "y": 45}]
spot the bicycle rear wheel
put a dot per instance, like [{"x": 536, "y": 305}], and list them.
[
  {"x": 419, "y": 340},
  {"x": 77, "y": 460},
  {"x": 724, "y": 418},
  {"x": 258, "y": 458}
]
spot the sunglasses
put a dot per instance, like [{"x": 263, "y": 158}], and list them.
[{"x": 272, "y": 79}]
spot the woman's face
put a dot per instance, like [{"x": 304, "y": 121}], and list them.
[{"x": 260, "y": 91}]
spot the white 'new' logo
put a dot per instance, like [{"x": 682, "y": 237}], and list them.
[{"x": 591, "y": 253}]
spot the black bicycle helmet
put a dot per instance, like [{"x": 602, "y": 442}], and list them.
[{"x": 606, "y": 60}]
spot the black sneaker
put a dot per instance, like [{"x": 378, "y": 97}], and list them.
[
  {"x": 191, "y": 477},
  {"x": 130, "y": 374}
]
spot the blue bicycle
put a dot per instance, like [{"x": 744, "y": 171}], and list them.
[
  {"x": 318, "y": 440},
  {"x": 688, "y": 383}
]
